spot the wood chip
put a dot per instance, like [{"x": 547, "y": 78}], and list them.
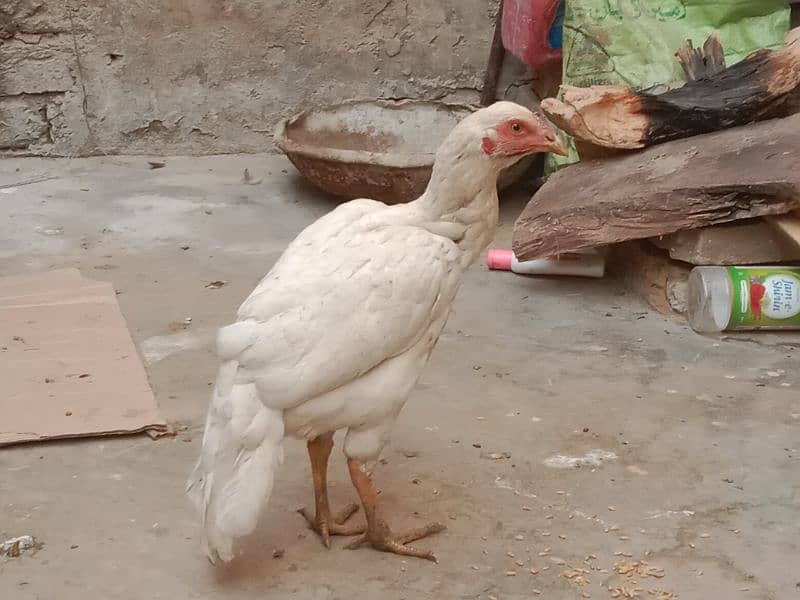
[
  {"x": 248, "y": 179},
  {"x": 177, "y": 326},
  {"x": 497, "y": 455},
  {"x": 578, "y": 579},
  {"x": 626, "y": 592},
  {"x": 639, "y": 568}
]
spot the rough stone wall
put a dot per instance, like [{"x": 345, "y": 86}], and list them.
[{"x": 81, "y": 77}]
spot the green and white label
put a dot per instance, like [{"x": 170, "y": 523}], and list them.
[{"x": 766, "y": 297}]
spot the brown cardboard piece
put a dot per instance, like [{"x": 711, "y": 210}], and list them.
[{"x": 68, "y": 365}]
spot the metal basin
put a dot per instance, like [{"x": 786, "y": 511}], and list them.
[{"x": 376, "y": 149}]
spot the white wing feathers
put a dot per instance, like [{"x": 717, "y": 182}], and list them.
[{"x": 332, "y": 309}]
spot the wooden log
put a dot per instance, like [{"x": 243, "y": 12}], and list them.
[
  {"x": 762, "y": 86},
  {"x": 715, "y": 178}
]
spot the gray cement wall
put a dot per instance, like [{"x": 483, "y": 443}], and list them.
[{"x": 80, "y": 77}]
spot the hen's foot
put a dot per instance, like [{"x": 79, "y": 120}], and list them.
[
  {"x": 326, "y": 526},
  {"x": 381, "y": 538},
  {"x": 378, "y": 534}
]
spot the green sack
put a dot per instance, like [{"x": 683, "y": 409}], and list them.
[{"x": 633, "y": 42}]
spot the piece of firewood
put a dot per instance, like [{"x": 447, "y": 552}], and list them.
[
  {"x": 713, "y": 178},
  {"x": 764, "y": 85},
  {"x": 707, "y": 61}
]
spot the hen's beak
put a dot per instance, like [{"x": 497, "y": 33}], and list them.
[{"x": 557, "y": 147}]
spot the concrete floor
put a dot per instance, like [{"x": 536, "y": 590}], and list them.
[{"x": 701, "y": 436}]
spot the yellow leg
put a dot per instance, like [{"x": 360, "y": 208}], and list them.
[{"x": 319, "y": 450}]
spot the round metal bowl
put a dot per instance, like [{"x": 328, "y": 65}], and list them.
[{"x": 376, "y": 149}]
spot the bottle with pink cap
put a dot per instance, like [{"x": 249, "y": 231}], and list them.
[{"x": 582, "y": 263}]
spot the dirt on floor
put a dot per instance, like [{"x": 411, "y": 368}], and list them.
[{"x": 576, "y": 444}]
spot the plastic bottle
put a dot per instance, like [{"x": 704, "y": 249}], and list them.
[
  {"x": 744, "y": 298},
  {"x": 586, "y": 263}
]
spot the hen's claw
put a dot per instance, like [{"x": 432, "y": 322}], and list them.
[
  {"x": 385, "y": 541},
  {"x": 325, "y": 527},
  {"x": 344, "y": 514}
]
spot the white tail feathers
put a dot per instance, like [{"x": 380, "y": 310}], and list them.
[{"x": 233, "y": 478}]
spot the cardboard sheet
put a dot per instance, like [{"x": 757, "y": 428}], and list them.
[{"x": 68, "y": 365}]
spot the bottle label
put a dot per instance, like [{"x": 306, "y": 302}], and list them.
[{"x": 765, "y": 297}]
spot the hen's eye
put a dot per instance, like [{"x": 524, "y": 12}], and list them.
[{"x": 516, "y": 127}]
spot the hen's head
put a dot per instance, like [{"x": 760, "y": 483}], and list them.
[{"x": 505, "y": 132}]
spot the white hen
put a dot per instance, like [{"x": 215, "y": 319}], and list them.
[{"x": 337, "y": 333}]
